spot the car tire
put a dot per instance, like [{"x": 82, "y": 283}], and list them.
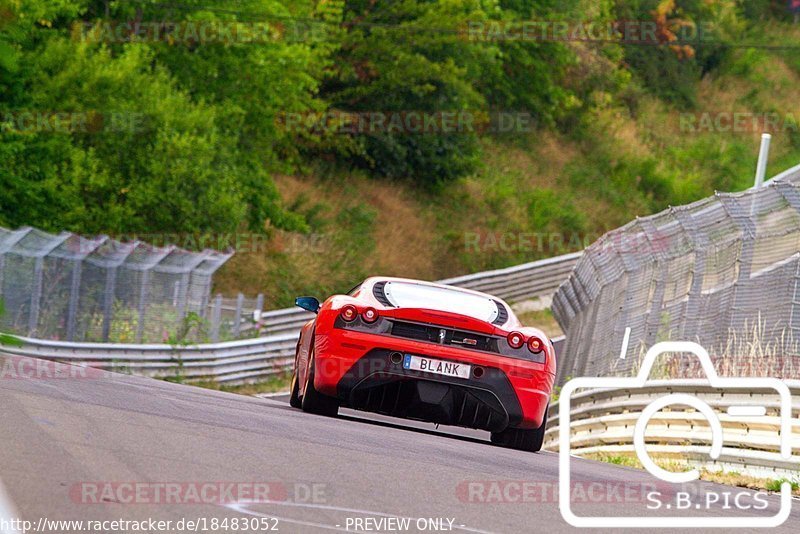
[
  {"x": 315, "y": 402},
  {"x": 522, "y": 439},
  {"x": 294, "y": 396}
]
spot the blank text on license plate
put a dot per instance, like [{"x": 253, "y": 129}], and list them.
[{"x": 439, "y": 367}]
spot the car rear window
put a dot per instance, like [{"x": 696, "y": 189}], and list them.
[{"x": 410, "y": 295}]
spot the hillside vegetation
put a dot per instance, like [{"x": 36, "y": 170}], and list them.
[{"x": 183, "y": 138}]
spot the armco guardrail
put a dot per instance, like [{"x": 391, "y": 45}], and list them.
[
  {"x": 230, "y": 362},
  {"x": 602, "y": 422},
  {"x": 520, "y": 282},
  {"x": 253, "y": 359}
]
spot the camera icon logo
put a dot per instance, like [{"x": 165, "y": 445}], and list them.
[{"x": 721, "y": 384}]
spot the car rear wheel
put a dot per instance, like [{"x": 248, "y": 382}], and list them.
[
  {"x": 315, "y": 402},
  {"x": 522, "y": 439}
]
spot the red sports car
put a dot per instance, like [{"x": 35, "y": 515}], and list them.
[{"x": 428, "y": 352}]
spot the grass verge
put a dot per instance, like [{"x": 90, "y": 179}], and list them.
[
  {"x": 543, "y": 320},
  {"x": 274, "y": 384}
]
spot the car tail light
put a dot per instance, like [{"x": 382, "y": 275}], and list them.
[
  {"x": 516, "y": 340},
  {"x": 370, "y": 315},
  {"x": 349, "y": 312},
  {"x": 535, "y": 345}
]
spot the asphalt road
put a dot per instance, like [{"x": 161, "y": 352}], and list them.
[{"x": 112, "y": 447}]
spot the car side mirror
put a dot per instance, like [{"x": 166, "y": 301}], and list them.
[{"x": 307, "y": 303}]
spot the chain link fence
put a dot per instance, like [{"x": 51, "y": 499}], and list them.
[
  {"x": 722, "y": 271},
  {"x": 67, "y": 287}
]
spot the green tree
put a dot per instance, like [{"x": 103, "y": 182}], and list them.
[{"x": 167, "y": 144}]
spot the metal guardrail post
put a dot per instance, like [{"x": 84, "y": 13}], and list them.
[{"x": 763, "y": 156}]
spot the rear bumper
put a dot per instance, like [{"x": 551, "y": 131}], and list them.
[
  {"x": 376, "y": 384},
  {"x": 357, "y": 368}
]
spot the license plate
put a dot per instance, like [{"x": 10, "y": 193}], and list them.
[{"x": 439, "y": 367}]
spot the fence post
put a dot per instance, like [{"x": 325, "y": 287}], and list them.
[
  {"x": 576, "y": 366},
  {"x": 699, "y": 241},
  {"x": 74, "y": 296},
  {"x": 204, "y": 306},
  {"x": 145, "y": 280},
  {"x": 216, "y": 317},
  {"x": 182, "y": 296},
  {"x": 237, "y": 319},
  {"x": 260, "y": 303},
  {"x": 661, "y": 264},
  {"x": 36, "y": 296},
  {"x": 747, "y": 226},
  {"x": 108, "y": 303}
]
